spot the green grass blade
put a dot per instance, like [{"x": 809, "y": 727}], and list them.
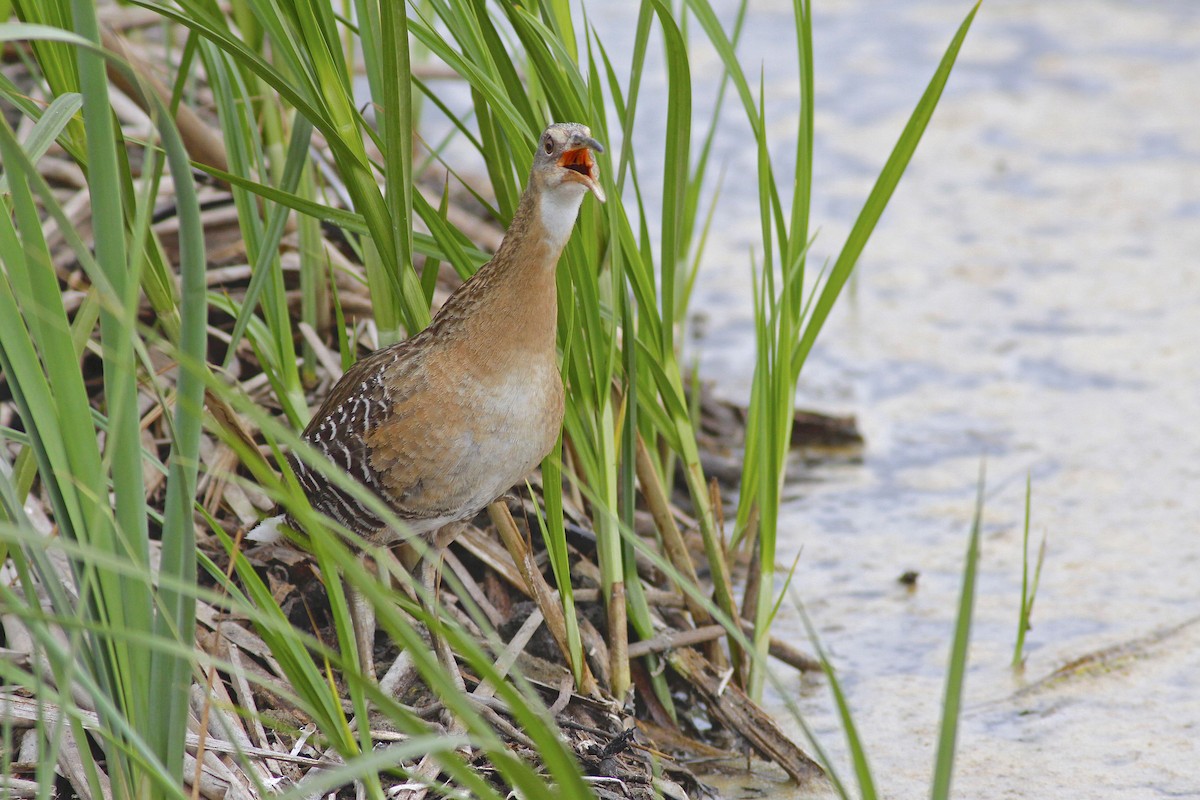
[
  {"x": 943, "y": 768},
  {"x": 555, "y": 537},
  {"x": 49, "y": 127},
  {"x": 1028, "y": 589},
  {"x": 1024, "y": 610},
  {"x": 266, "y": 267},
  {"x": 171, "y": 674},
  {"x": 108, "y": 204},
  {"x": 802, "y": 191},
  {"x": 347, "y": 220},
  {"x": 879, "y": 196},
  {"x": 858, "y": 753},
  {"x": 675, "y": 168},
  {"x": 396, "y": 120}
]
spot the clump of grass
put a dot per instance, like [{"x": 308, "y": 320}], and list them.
[
  {"x": 787, "y": 320},
  {"x": 1028, "y": 588}
]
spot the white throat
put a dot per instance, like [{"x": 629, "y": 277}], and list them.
[{"x": 559, "y": 208}]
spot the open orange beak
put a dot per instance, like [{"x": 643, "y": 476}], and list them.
[{"x": 582, "y": 167}]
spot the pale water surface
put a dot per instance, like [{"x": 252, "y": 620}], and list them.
[{"x": 1032, "y": 297}]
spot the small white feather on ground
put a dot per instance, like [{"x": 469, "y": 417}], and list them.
[{"x": 267, "y": 531}]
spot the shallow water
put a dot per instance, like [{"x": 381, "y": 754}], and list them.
[{"x": 1031, "y": 298}]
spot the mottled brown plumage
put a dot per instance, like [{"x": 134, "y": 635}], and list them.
[{"x": 442, "y": 423}]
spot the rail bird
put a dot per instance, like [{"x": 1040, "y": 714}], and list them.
[{"x": 441, "y": 424}]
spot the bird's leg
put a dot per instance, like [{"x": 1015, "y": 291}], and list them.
[
  {"x": 410, "y": 557},
  {"x": 430, "y": 578},
  {"x": 362, "y": 619},
  {"x": 431, "y": 573}
]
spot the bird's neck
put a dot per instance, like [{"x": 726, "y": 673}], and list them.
[
  {"x": 512, "y": 302},
  {"x": 541, "y": 226}
]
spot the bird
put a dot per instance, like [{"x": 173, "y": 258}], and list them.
[{"x": 439, "y": 425}]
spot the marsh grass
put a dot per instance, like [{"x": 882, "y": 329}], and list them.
[
  {"x": 1029, "y": 587},
  {"x": 149, "y": 393}
]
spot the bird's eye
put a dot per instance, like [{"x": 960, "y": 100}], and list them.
[{"x": 548, "y": 145}]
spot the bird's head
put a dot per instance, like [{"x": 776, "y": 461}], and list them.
[{"x": 563, "y": 161}]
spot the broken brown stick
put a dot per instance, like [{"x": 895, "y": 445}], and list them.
[
  {"x": 738, "y": 712},
  {"x": 668, "y": 640}
]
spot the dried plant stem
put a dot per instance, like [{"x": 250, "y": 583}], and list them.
[
  {"x": 203, "y": 143},
  {"x": 546, "y": 598},
  {"x": 672, "y": 539}
]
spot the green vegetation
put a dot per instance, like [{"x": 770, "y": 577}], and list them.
[
  {"x": 1028, "y": 588},
  {"x": 126, "y": 363},
  {"x": 943, "y": 767}
]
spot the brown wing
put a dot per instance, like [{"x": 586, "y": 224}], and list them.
[
  {"x": 421, "y": 450},
  {"x": 356, "y": 405},
  {"x": 365, "y": 371}
]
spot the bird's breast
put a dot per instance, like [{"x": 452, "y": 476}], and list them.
[
  {"x": 487, "y": 430},
  {"x": 522, "y": 411}
]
